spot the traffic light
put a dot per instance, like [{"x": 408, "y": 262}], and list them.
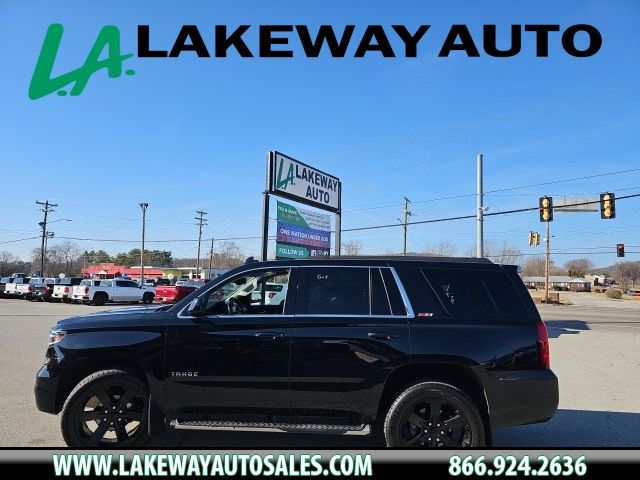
[
  {"x": 531, "y": 238},
  {"x": 620, "y": 249},
  {"x": 546, "y": 209},
  {"x": 607, "y": 206},
  {"x": 536, "y": 238}
]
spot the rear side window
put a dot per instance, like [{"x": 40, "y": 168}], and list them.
[
  {"x": 379, "y": 301},
  {"x": 337, "y": 290},
  {"x": 504, "y": 294},
  {"x": 475, "y": 294}
]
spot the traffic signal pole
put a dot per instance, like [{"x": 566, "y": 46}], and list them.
[
  {"x": 479, "y": 209},
  {"x": 546, "y": 266}
]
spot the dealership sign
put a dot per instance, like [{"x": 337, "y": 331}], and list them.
[
  {"x": 302, "y": 233},
  {"x": 298, "y": 181}
]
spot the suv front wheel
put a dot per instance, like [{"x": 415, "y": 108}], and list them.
[
  {"x": 106, "y": 409},
  {"x": 433, "y": 415}
]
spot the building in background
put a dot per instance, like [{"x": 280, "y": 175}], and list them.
[{"x": 111, "y": 270}]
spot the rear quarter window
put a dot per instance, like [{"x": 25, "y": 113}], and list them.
[{"x": 475, "y": 293}]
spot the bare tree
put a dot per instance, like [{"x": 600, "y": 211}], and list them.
[
  {"x": 535, "y": 267},
  {"x": 7, "y": 262},
  {"x": 499, "y": 252},
  {"x": 229, "y": 255},
  {"x": 627, "y": 273},
  {"x": 442, "y": 249},
  {"x": 579, "y": 267},
  {"x": 352, "y": 247}
]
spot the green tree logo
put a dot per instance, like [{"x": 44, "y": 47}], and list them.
[{"x": 42, "y": 82}]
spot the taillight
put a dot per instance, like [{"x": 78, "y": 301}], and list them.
[
  {"x": 30, "y": 288},
  {"x": 544, "y": 354},
  {"x": 66, "y": 289},
  {"x": 272, "y": 294},
  {"x": 86, "y": 289}
]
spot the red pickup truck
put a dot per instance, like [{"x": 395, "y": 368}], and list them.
[{"x": 175, "y": 293}]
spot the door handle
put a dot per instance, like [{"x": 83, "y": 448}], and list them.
[
  {"x": 269, "y": 335},
  {"x": 382, "y": 335}
]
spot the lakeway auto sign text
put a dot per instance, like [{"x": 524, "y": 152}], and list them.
[{"x": 300, "y": 182}]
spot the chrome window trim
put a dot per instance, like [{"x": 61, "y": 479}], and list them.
[{"x": 403, "y": 294}]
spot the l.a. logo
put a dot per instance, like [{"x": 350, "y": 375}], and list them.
[
  {"x": 284, "y": 183},
  {"x": 43, "y": 84}
]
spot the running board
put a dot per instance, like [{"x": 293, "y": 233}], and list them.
[{"x": 271, "y": 427}]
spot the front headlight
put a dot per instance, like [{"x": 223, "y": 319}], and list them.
[{"x": 56, "y": 336}]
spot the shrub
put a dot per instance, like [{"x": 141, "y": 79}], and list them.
[{"x": 613, "y": 293}]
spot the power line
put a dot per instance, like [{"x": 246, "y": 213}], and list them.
[
  {"x": 507, "y": 189},
  {"x": 19, "y": 240}
]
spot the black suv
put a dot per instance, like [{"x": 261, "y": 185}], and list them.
[{"x": 439, "y": 350}]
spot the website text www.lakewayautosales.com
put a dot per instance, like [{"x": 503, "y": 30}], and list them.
[{"x": 213, "y": 465}]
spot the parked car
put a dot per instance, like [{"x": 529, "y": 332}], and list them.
[
  {"x": 81, "y": 291},
  {"x": 274, "y": 293},
  {"x": 175, "y": 293},
  {"x": 11, "y": 289},
  {"x": 62, "y": 291},
  {"x": 44, "y": 290},
  {"x": 115, "y": 290},
  {"x": 436, "y": 350},
  {"x": 26, "y": 290},
  {"x": 3, "y": 285}
]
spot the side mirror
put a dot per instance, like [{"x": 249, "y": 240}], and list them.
[{"x": 195, "y": 308}]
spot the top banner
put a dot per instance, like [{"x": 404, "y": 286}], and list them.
[{"x": 298, "y": 181}]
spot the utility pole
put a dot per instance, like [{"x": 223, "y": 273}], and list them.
[
  {"x": 407, "y": 213},
  {"x": 546, "y": 267},
  {"x": 47, "y": 236},
  {"x": 46, "y": 208},
  {"x": 480, "y": 209},
  {"x": 211, "y": 258},
  {"x": 201, "y": 222},
  {"x": 144, "y": 207}
]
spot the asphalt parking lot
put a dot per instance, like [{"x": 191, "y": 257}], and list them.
[{"x": 595, "y": 353}]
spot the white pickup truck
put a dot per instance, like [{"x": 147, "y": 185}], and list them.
[{"x": 112, "y": 290}]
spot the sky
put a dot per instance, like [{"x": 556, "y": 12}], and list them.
[{"x": 188, "y": 133}]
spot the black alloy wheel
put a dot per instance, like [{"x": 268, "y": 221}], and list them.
[
  {"x": 432, "y": 423},
  {"x": 108, "y": 409},
  {"x": 433, "y": 415}
]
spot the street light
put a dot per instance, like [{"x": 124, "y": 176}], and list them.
[{"x": 144, "y": 207}]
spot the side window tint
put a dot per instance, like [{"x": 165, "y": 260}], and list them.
[
  {"x": 379, "y": 301},
  {"x": 120, "y": 283},
  {"x": 337, "y": 290},
  {"x": 462, "y": 293},
  {"x": 395, "y": 299},
  {"x": 504, "y": 294}
]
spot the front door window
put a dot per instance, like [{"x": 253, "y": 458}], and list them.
[{"x": 256, "y": 293}]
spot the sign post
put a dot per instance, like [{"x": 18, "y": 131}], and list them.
[{"x": 294, "y": 180}]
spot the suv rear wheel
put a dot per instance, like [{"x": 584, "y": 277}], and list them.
[
  {"x": 108, "y": 409},
  {"x": 433, "y": 415}
]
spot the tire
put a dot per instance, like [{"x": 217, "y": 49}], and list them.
[
  {"x": 147, "y": 298},
  {"x": 115, "y": 395},
  {"x": 411, "y": 421},
  {"x": 99, "y": 299}
]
